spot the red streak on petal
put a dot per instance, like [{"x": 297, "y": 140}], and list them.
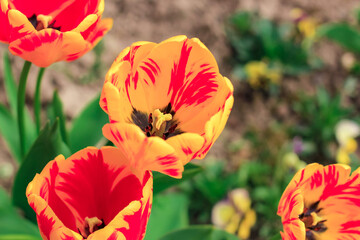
[
  {"x": 45, "y": 224},
  {"x": 113, "y": 236},
  {"x": 187, "y": 150},
  {"x": 200, "y": 88},
  {"x": 29, "y": 44}
]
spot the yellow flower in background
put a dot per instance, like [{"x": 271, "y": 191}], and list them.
[
  {"x": 307, "y": 25},
  {"x": 346, "y": 131},
  {"x": 234, "y": 214},
  {"x": 292, "y": 160},
  {"x": 259, "y": 74}
]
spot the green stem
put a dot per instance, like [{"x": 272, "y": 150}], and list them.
[
  {"x": 37, "y": 100},
  {"x": 21, "y": 105}
]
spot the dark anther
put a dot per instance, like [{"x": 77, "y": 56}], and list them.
[
  {"x": 33, "y": 20},
  {"x": 51, "y": 25},
  {"x": 102, "y": 225},
  {"x": 148, "y": 134},
  {"x": 172, "y": 129},
  {"x": 150, "y": 121},
  {"x": 167, "y": 109}
]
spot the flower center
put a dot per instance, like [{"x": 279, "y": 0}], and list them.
[
  {"x": 91, "y": 225},
  {"x": 41, "y": 22},
  {"x": 312, "y": 221},
  {"x": 158, "y": 124}
]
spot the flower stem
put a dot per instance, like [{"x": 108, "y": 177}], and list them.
[
  {"x": 37, "y": 100},
  {"x": 21, "y": 105}
]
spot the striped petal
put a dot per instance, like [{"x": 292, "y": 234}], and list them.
[
  {"x": 144, "y": 153},
  {"x": 48, "y": 46}
]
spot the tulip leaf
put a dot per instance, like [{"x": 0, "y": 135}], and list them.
[
  {"x": 162, "y": 182},
  {"x": 46, "y": 147},
  {"x": 10, "y": 85},
  {"x": 87, "y": 127},
  {"x": 204, "y": 232},
  {"x": 56, "y": 111},
  {"x": 169, "y": 212},
  {"x": 9, "y": 131},
  {"x": 19, "y": 237},
  {"x": 12, "y": 225},
  {"x": 342, "y": 33}
]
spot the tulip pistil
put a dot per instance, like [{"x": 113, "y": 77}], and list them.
[
  {"x": 41, "y": 22},
  {"x": 91, "y": 225}
]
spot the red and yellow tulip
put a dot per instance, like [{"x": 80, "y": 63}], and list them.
[
  {"x": 322, "y": 203},
  {"x": 45, "y": 32},
  {"x": 91, "y": 195},
  {"x": 166, "y": 96}
]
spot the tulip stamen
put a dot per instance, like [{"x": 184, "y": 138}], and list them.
[
  {"x": 91, "y": 225},
  {"x": 312, "y": 221},
  {"x": 159, "y": 123}
]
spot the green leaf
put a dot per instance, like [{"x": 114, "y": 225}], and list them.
[
  {"x": 342, "y": 33},
  {"x": 162, "y": 182},
  {"x": 46, "y": 147},
  {"x": 19, "y": 237},
  {"x": 203, "y": 232},
  {"x": 56, "y": 111},
  {"x": 9, "y": 131},
  {"x": 169, "y": 212},
  {"x": 12, "y": 223},
  {"x": 10, "y": 85},
  {"x": 87, "y": 127},
  {"x": 276, "y": 237}
]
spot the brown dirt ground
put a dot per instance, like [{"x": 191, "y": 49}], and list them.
[{"x": 150, "y": 20}]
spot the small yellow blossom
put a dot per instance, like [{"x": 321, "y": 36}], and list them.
[
  {"x": 259, "y": 74},
  {"x": 234, "y": 214},
  {"x": 307, "y": 25},
  {"x": 292, "y": 160},
  {"x": 346, "y": 131}
]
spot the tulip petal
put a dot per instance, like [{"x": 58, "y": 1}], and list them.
[
  {"x": 186, "y": 145},
  {"x": 71, "y": 16},
  {"x": 215, "y": 126},
  {"x": 29, "y": 8},
  {"x": 5, "y": 28},
  {"x": 145, "y": 153},
  {"x": 42, "y": 48},
  {"x": 19, "y": 24}
]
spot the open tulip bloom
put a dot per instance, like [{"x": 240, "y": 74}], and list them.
[
  {"x": 166, "y": 96},
  {"x": 91, "y": 195},
  {"x": 322, "y": 203},
  {"x": 44, "y": 32}
]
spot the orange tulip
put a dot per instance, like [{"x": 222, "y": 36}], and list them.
[
  {"x": 168, "y": 95},
  {"x": 91, "y": 195},
  {"x": 44, "y": 32},
  {"x": 322, "y": 203}
]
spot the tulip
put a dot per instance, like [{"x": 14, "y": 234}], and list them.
[
  {"x": 91, "y": 195},
  {"x": 44, "y": 32},
  {"x": 170, "y": 95}
]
